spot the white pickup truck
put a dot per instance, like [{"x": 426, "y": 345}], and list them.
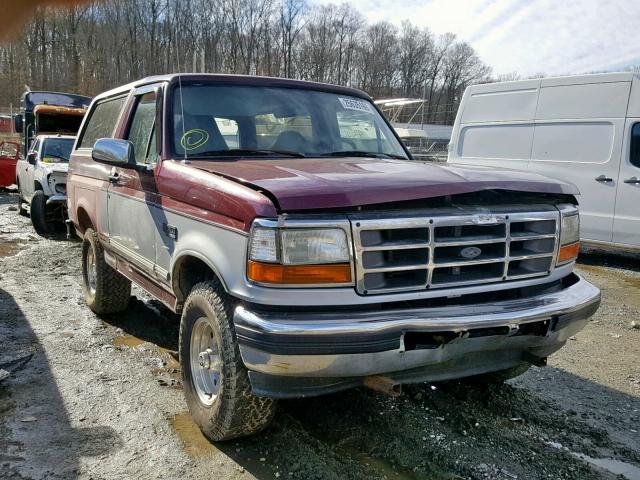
[
  {"x": 579, "y": 129},
  {"x": 42, "y": 181}
]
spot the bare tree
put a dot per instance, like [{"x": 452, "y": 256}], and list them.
[{"x": 111, "y": 42}]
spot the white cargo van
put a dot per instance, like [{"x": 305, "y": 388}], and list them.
[{"x": 581, "y": 129}]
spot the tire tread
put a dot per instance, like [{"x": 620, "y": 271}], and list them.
[{"x": 240, "y": 413}]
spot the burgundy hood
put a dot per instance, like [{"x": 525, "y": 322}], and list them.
[{"x": 315, "y": 183}]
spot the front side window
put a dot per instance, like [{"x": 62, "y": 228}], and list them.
[
  {"x": 35, "y": 146},
  {"x": 57, "y": 150},
  {"x": 634, "y": 154},
  {"x": 142, "y": 131},
  {"x": 212, "y": 120},
  {"x": 102, "y": 121}
]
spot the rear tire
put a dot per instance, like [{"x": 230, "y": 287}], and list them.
[
  {"x": 105, "y": 290},
  {"x": 216, "y": 383},
  {"x": 42, "y": 226}
]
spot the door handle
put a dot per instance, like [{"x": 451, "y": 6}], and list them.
[
  {"x": 604, "y": 179},
  {"x": 634, "y": 180},
  {"x": 114, "y": 177}
]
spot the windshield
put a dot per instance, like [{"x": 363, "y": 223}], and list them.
[
  {"x": 224, "y": 120},
  {"x": 57, "y": 150}
]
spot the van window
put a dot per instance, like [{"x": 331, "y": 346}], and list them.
[
  {"x": 634, "y": 155},
  {"x": 496, "y": 141},
  {"x": 102, "y": 122},
  {"x": 580, "y": 142}
]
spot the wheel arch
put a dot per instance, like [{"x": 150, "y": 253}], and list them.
[
  {"x": 190, "y": 268},
  {"x": 83, "y": 219}
]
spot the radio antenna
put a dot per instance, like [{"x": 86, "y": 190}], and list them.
[{"x": 185, "y": 159}]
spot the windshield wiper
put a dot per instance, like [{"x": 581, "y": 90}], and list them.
[
  {"x": 248, "y": 151},
  {"x": 363, "y": 153}
]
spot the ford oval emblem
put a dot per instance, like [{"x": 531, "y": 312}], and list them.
[{"x": 470, "y": 253}]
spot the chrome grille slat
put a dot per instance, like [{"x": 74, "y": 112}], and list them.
[
  {"x": 511, "y": 245},
  {"x": 405, "y": 246}
]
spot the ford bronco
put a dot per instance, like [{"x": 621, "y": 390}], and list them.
[{"x": 307, "y": 252}]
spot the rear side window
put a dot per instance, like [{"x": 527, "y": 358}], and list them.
[
  {"x": 634, "y": 155},
  {"x": 102, "y": 121}
]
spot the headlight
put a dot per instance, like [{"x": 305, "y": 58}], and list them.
[
  {"x": 299, "y": 256},
  {"x": 569, "y": 237}
]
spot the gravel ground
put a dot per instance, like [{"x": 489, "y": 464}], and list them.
[{"x": 100, "y": 398}]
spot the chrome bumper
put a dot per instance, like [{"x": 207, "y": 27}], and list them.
[
  {"x": 57, "y": 199},
  {"x": 412, "y": 344}
]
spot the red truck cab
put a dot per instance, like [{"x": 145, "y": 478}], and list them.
[
  {"x": 9, "y": 156},
  {"x": 307, "y": 252}
]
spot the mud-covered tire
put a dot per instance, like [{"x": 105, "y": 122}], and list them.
[
  {"x": 105, "y": 290},
  {"x": 234, "y": 411},
  {"x": 41, "y": 225},
  {"x": 499, "y": 376},
  {"x": 21, "y": 210}
]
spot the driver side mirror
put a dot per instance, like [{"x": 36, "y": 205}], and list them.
[
  {"x": 113, "y": 151},
  {"x": 31, "y": 158},
  {"x": 17, "y": 123}
]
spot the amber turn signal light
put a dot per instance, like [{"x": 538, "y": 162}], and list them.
[
  {"x": 298, "y": 274},
  {"x": 568, "y": 252}
]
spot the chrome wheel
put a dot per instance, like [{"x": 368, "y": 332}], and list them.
[
  {"x": 206, "y": 365},
  {"x": 92, "y": 270}
]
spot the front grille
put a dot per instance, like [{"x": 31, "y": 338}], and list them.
[{"x": 437, "y": 251}]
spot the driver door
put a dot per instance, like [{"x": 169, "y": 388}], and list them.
[
  {"x": 132, "y": 193},
  {"x": 626, "y": 223},
  {"x": 26, "y": 172}
]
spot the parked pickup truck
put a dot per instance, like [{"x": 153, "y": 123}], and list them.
[
  {"x": 42, "y": 181},
  {"x": 304, "y": 250}
]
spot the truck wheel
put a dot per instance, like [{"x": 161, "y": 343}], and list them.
[
  {"x": 499, "y": 376},
  {"x": 21, "y": 210},
  {"x": 42, "y": 226},
  {"x": 105, "y": 290},
  {"x": 216, "y": 383}
]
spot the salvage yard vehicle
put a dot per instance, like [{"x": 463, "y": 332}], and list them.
[
  {"x": 307, "y": 259},
  {"x": 49, "y": 113},
  {"x": 9, "y": 155},
  {"x": 581, "y": 129},
  {"x": 42, "y": 181}
]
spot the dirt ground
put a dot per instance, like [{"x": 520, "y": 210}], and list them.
[{"x": 100, "y": 398}]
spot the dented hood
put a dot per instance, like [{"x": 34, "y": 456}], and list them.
[{"x": 316, "y": 183}]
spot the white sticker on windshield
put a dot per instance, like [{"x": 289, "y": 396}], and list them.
[{"x": 355, "y": 104}]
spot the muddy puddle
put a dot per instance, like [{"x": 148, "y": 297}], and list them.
[
  {"x": 9, "y": 248},
  {"x": 193, "y": 441},
  {"x": 127, "y": 341},
  {"x": 169, "y": 373},
  {"x": 616, "y": 467}
]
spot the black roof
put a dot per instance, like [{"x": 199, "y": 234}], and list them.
[{"x": 33, "y": 98}]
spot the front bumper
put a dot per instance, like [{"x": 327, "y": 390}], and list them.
[
  {"x": 57, "y": 199},
  {"x": 310, "y": 353}
]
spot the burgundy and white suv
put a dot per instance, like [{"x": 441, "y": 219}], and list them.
[{"x": 307, "y": 252}]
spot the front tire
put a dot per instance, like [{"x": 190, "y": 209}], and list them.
[
  {"x": 41, "y": 224},
  {"x": 216, "y": 382},
  {"x": 105, "y": 290}
]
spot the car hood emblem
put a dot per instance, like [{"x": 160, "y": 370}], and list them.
[{"x": 470, "y": 253}]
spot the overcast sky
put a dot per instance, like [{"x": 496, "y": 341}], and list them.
[{"x": 528, "y": 36}]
